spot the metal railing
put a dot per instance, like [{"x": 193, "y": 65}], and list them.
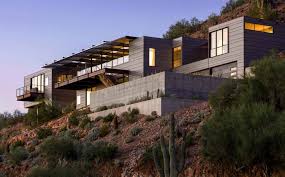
[{"x": 30, "y": 89}]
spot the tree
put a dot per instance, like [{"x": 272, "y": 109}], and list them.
[{"x": 182, "y": 28}]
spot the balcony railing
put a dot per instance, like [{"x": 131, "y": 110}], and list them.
[{"x": 29, "y": 93}]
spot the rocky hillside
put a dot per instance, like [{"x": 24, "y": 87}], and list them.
[
  {"x": 134, "y": 139},
  {"x": 243, "y": 10}
]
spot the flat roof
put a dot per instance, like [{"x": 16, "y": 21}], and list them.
[{"x": 96, "y": 55}]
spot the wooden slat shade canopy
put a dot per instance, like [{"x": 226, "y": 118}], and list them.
[
  {"x": 97, "y": 55},
  {"x": 87, "y": 80}
]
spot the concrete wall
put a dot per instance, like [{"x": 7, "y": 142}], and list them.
[
  {"x": 162, "y": 106},
  {"x": 174, "y": 85},
  {"x": 125, "y": 92}
]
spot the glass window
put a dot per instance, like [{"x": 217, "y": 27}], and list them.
[
  {"x": 258, "y": 27},
  {"x": 268, "y": 29},
  {"x": 38, "y": 82},
  {"x": 177, "y": 57},
  {"x": 249, "y": 26},
  {"x": 78, "y": 100},
  {"x": 46, "y": 81},
  {"x": 219, "y": 42},
  {"x": 220, "y": 38},
  {"x": 151, "y": 61}
]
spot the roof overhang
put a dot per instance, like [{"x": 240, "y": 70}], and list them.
[{"x": 102, "y": 53}]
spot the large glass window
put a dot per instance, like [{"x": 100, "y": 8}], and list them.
[
  {"x": 177, "y": 57},
  {"x": 151, "y": 61},
  {"x": 219, "y": 42},
  {"x": 88, "y": 95},
  {"x": 258, "y": 27},
  {"x": 38, "y": 82}
]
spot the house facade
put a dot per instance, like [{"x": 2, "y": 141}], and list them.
[{"x": 170, "y": 73}]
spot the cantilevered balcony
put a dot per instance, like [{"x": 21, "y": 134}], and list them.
[
  {"x": 106, "y": 76},
  {"x": 30, "y": 93}
]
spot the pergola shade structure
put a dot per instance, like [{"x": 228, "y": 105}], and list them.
[{"x": 94, "y": 64}]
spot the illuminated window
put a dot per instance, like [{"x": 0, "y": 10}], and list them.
[
  {"x": 258, "y": 27},
  {"x": 219, "y": 42},
  {"x": 37, "y": 82},
  {"x": 88, "y": 95},
  {"x": 177, "y": 57},
  {"x": 151, "y": 61},
  {"x": 78, "y": 100},
  {"x": 46, "y": 81}
]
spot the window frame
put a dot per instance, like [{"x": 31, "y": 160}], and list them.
[
  {"x": 216, "y": 42},
  {"x": 173, "y": 56},
  {"x": 151, "y": 64},
  {"x": 254, "y": 29}
]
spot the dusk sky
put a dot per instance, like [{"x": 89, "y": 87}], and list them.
[{"x": 33, "y": 32}]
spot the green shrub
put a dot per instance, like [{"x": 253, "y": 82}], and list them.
[
  {"x": 115, "y": 105},
  {"x": 46, "y": 112},
  {"x": 104, "y": 130},
  {"x": 130, "y": 116},
  {"x": 73, "y": 120},
  {"x": 182, "y": 28},
  {"x": 17, "y": 144},
  {"x": 109, "y": 117},
  {"x": 43, "y": 133},
  {"x": 59, "y": 148},
  {"x": 245, "y": 135},
  {"x": 189, "y": 140},
  {"x": 154, "y": 114},
  {"x": 231, "y": 5},
  {"x": 135, "y": 131},
  {"x": 2, "y": 149},
  {"x": 53, "y": 172},
  {"x": 101, "y": 108},
  {"x": 2, "y": 174},
  {"x": 93, "y": 134},
  {"x": 84, "y": 122},
  {"x": 101, "y": 150},
  {"x": 149, "y": 118},
  {"x": 18, "y": 154},
  {"x": 97, "y": 119}
]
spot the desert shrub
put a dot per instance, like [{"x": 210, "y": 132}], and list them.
[
  {"x": 182, "y": 27},
  {"x": 109, "y": 117},
  {"x": 2, "y": 149},
  {"x": 46, "y": 112},
  {"x": 18, "y": 154},
  {"x": 149, "y": 118},
  {"x": 17, "y": 144},
  {"x": 135, "y": 131},
  {"x": 101, "y": 108},
  {"x": 131, "y": 116},
  {"x": 116, "y": 105},
  {"x": 84, "y": 122},
  {"x": 93, "y": 134},
  {"x": 59, "y": 148},
  {"x": 264, "y": 12},
  {"x": 101, "y": 150},
  {"x": 53, "y": 172},
  {"x": 70, "y": 133},
  {"x": 43, "y": 133},
  {"x": 2, "y": 174},
  {"x": 154, "y": 114},
  {"x": 189, "y": 139},
  {"x": 242, "y": 136},
  {"x": 247, "y": 127},
  {"x": 231, "y": 5},
  {"x": 148, "y": 154},
  {"x": 139, "y": 99},
  {"x": 73, "y": 119},
  {"x": 104, "y": 130}
]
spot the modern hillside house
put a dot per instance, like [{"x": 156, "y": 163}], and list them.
[{"x": 154, "y": 74}]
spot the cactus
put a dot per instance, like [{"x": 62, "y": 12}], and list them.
[{"x": 173, "y": 159}]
